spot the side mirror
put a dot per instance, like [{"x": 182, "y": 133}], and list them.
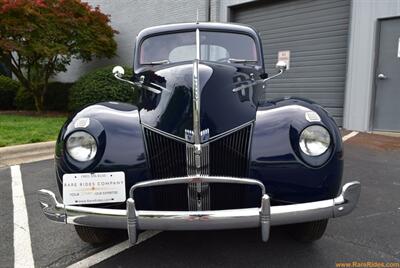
[
  {"x": 118, "y": 71},
  {"x": 281, "y": 66}
]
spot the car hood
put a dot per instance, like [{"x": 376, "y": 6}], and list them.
[{"x": 221, "y": 107}]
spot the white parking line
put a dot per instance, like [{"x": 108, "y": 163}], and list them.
[
  {"x": 350, "y": 135},
  {"x": 23, "y": 256},
  {"x": 109, "y": 252}
]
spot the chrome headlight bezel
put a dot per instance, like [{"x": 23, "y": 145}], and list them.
[
  {"x": 314, "y": 140},
  {"x": 81, "y": 146}
]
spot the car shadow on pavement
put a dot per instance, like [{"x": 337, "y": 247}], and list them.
[{"x": 232, "y": 248}]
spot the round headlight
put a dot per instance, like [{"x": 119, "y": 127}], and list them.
[
  {"x": 81, "y": 146},
  {"x": 314, "y": 140}
]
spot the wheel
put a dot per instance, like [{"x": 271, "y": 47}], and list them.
[
  {"x": 308, "y": 231},
  {"x": 94, "y": 235}
]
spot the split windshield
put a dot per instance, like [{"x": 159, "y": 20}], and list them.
[{"x": 214, "y": 46}]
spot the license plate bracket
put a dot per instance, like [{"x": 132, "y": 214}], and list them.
[{"x": 94, "y": 188}]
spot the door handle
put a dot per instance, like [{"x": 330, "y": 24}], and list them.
[{"x": 382, "y": 77}]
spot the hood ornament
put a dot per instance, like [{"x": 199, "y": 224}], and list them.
[
  {"x": 196, "y": 92},
  {"x": 197, "y": 153},
  {"x": 204, "y": 135}
]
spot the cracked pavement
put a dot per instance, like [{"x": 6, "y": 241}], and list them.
[{"x": 370, "y": 233}]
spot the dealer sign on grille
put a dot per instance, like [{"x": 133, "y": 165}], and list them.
[{"x": 93, "y": 188}]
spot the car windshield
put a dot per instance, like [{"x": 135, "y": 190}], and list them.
[{"x": 214, "y": 46}]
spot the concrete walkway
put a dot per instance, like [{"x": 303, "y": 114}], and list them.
[{"x": 26, "y": 153}]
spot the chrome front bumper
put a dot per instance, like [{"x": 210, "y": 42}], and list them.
[{"x": 263, "y": 217}]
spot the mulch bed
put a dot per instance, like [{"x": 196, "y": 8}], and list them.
[{"x": 376, "y": 141}]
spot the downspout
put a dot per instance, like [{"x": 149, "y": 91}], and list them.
[{"x": 208, "y": 10}]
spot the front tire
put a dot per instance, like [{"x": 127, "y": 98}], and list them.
[
  {"x": 94, "y": 235},
  {"x": 308, "y": 231}
]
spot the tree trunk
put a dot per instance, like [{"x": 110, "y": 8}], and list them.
[
  {"x": 38, "y": 102},
  {"x": 38, "y": 96}
]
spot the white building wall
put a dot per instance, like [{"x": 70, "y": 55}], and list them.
[
  {"x": 359, "y": 98},
  {"x": 128, "y": 17}
]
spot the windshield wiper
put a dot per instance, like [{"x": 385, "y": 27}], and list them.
[
  {"x": 156, "y": 62},
  {"x": 241, "y": 60}
]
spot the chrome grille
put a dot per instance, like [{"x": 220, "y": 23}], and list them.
[
  {"x": 229, "y": 154},
  {"x": 166, "y": 156},
  {"x": 229, "y": 157},
  {"x": 224, "y": 156}
]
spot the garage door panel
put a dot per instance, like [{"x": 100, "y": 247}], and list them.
[
  {"x": 300, "y": 41},
  {"x": 316, "y": 56},
  {"x": 306, "y": 20},
  {"x": 301, "y": 27},
  {"x": 279, "y": 9},
  {"x": 304, "y": 55},
  {"x": 322, "y": 36},
  {"x": 328, "y": 102},
  {"x": 312, "y": 47},
  {"x": 306, "y": 29},
  {"x": 314, "y": 52},
  {"x": 321, "y": 64},
  {"x": 325, "y": 58},
  {"x": 323, "y": 77},
  {"x": 305, "y": 80},
  {"x": 309, "y": 90},
  {"x": 310, "y": 86},
  {"x": 275, "y": 18},
  {"x": 316, "y": 33},
  {"x": 331, "y": 97},
  {"x": 336, "y": 112}
]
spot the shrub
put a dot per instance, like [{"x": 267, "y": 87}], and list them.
[
  {"x": 8, "y": 91},
  {"x": 101, "y": 85},
  {"x": 24, "y": 100},
  {"x": 55, "y": 99}
]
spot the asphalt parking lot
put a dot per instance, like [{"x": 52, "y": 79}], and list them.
[{"x": 370, "y": 233}]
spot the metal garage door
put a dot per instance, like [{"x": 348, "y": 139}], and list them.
[{"x": 316, "y": 33}]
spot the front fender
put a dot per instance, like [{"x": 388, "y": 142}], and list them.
[
  {"x": 275, "y": 158},
  {"x": 118, "y": 134}
]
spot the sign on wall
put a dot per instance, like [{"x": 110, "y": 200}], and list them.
[
  {"x": 284, "y": 56},
  {"x": 398, "y": 49}
]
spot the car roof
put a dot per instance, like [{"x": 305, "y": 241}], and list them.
[{"x": 211, "y": 26}]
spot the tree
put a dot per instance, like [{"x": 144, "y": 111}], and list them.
[{"x": 39, "y": 38}]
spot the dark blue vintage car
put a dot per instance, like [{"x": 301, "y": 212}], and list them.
[{"x": 202, "y": 149}]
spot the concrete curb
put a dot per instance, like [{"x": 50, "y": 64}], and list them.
[{"x": 26, "y": 153}]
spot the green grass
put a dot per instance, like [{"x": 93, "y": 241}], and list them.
[{"x": 20, "y": 129}]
